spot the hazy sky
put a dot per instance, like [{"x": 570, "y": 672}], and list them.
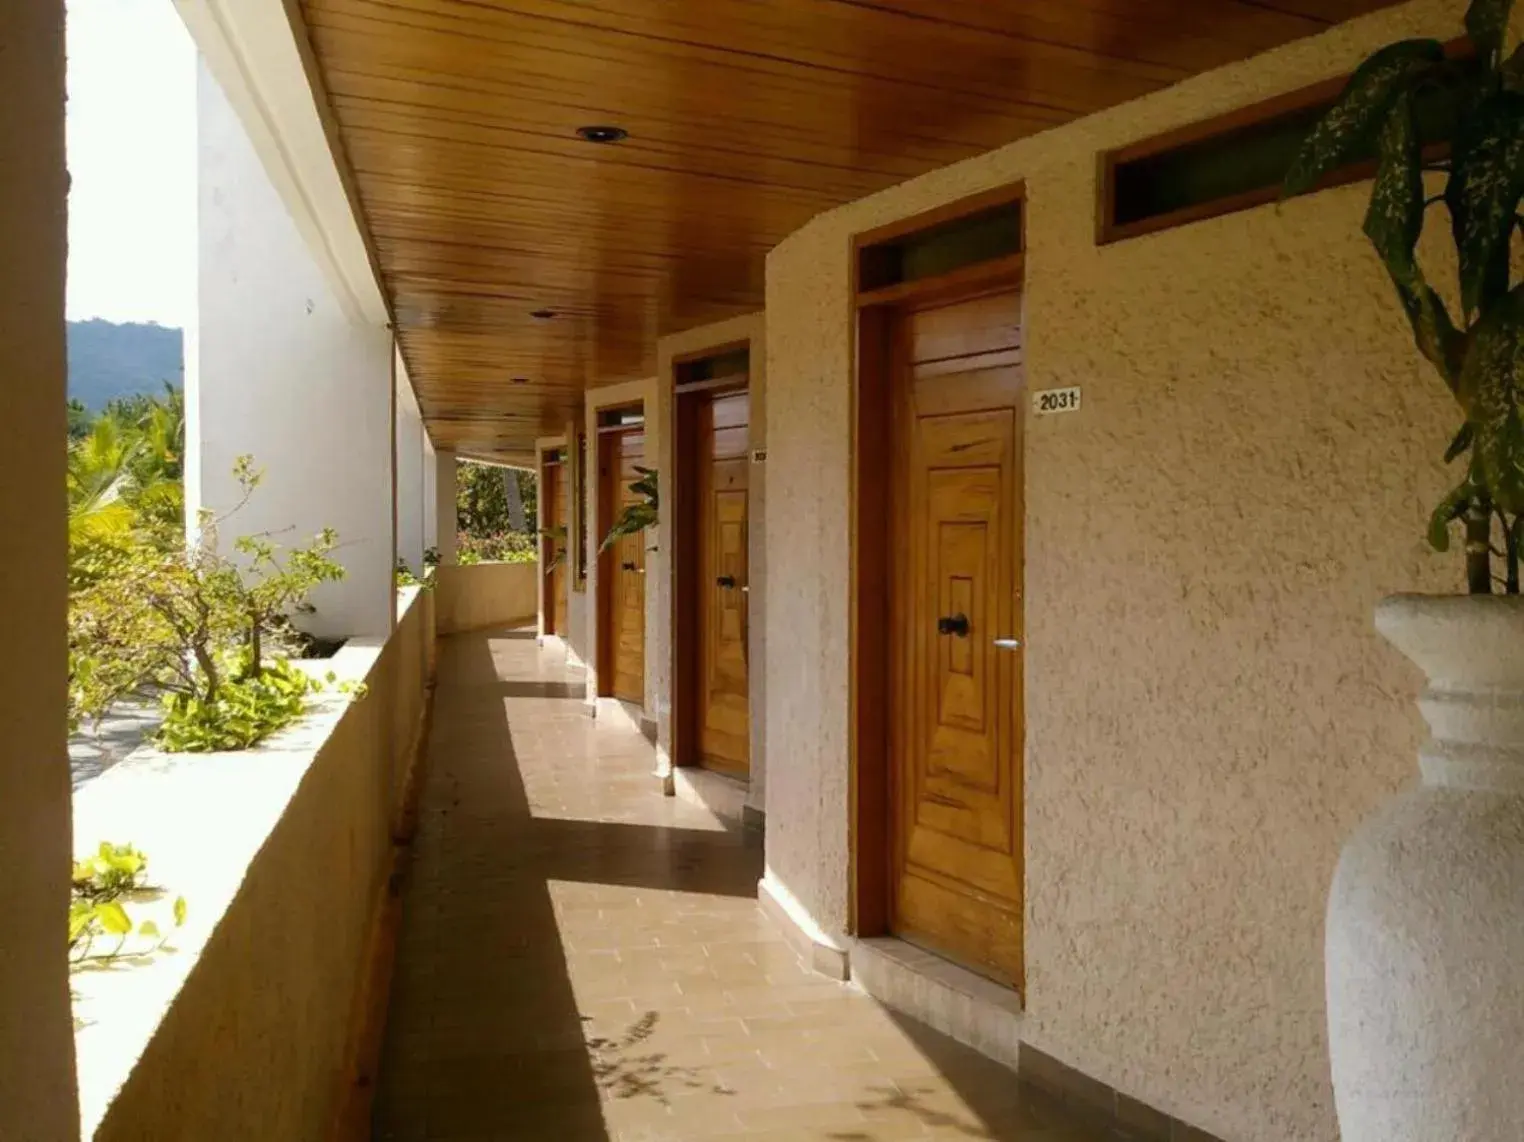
[{"x": 132, "y": 159}]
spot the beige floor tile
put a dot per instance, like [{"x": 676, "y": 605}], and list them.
[{"x": 583, "y": 958}]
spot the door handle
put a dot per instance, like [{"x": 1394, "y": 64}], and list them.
[
  {"x": 953, "y": 624},
  {"x": 726, "y": 581},
  {"x": 1008, "y": 644},
  {"x": 627, "y": 566}
]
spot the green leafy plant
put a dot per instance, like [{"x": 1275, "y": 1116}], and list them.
[
  {"x": 404, "y": 576},
  {"x": 557, "y": 537},
  {"x": 194, "y": 624},
  {"x": 246, "y": 710},
  {"x": 491, "y": 499},
  {"x": 101, "y": 886},
  {"x": 274, "y": 585},
  {"x": 498, "y": 547},
  {"x": 1451, "y": 130},
  {"x": 637, "y": 516}
]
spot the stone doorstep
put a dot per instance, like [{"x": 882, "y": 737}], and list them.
[{"x": 722, "y": 795}]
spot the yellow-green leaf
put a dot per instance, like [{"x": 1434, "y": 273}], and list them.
[
  {"x": 179, "y": 911},
  {"x": 148, "y": 930},
  {"x": 113, "y": 918}
]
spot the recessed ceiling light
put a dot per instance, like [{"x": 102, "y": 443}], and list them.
[
  {"x": 603, "y": 134},
  {"x": 542, "y": 314}
]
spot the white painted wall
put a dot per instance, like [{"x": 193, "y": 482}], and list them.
[
  {"x": 444, "y": 503},
  {"x": 410, "y": 438},
  {"x": 280, "y": 371},
  {"x": 430, "y": 493}
]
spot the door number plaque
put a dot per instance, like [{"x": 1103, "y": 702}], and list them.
[{"x": 1051, "y": 401}]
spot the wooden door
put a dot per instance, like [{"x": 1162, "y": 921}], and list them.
[
  {"x": 955, "y": 606},
  {"x": 621, "y": 571},
  {"x": 724, "y": 721},
  {"x": 553, "y": 505}
]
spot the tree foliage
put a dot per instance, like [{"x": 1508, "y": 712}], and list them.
[
  {"x": 1478, "y": 106},
  {"x": 190, "y": 623},
  {"x": 124, "y": 476},
  {"x": 485, "y": 513},
  {"x": 481, "y": 498}
]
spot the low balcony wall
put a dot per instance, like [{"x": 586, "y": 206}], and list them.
[
  {"x": 248, "y": 1025},
  {"x": 486, "y": 595}
]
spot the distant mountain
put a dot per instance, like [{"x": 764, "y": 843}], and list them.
[{"x": 107, "y": 360}]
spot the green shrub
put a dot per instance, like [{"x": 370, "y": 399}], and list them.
[
  {"x": 99, "y": 885},
  {"x": 405, "y": 577},
  {"x": 246, "y": 710},
  {"x": 497, "y": 547},
  {"x": 169, "y": 617}
]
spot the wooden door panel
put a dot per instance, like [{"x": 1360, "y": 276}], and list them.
[
  {"x": 725, "y": 716},
  {"x": 623, "y": 601},
  {"x": 963, "y": 791},
  {"x": 966, "y": 329},
  {"x": 956, "y": 749},
  {"x": 555, "y": 583}
]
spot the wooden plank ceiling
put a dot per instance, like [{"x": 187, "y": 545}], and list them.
[{"x": 458, "y": 119}]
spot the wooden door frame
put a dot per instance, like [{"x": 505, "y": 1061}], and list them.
[
  {"x": 875, "y": 316},
  {"x": 685, "y": 555},
  {"x": 556, "y": 483},
  {"x": 607, "y": 507}
]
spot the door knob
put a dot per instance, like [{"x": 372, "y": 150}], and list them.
[
  {"x": 953, "y": 624},
  {"x": 726, "y": 581},
  {"x": 627, "y": 566},
  {"x": 1008, "y": 644}
]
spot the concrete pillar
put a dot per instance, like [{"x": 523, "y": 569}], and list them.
[
  {"x": 410, "y": 437},
  {"x": 444, "y": 503},
  {"x": 279, "y": 370},
  {"x": 37, "y": 1094},
  {"x": 430, "y": 494}
]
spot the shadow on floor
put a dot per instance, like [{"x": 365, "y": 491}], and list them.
[
  {"x": 996, "y": 1105},
  {"x": 487, "y": 1038},
  {"x": 582, "y": 959}
]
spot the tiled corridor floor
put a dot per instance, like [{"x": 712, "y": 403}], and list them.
[{"x": 581, "y": 958}]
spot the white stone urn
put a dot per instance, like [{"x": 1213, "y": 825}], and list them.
[{"x": 1425, "y": 944}]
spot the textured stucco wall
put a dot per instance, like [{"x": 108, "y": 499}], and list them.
[
  {"x": 750, "y": 328},
  {"x": 1208, "y": 712},
  {"x": 253, "y": 1045},
  {"x": 36, "y": 1040},
  {"x": 614, "y": 396},
  {"x": 279, "y": 371},
  {"x": 485, "y": 595}
]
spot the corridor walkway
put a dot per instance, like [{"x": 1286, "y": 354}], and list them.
[{"x": 583, "y": 959}]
